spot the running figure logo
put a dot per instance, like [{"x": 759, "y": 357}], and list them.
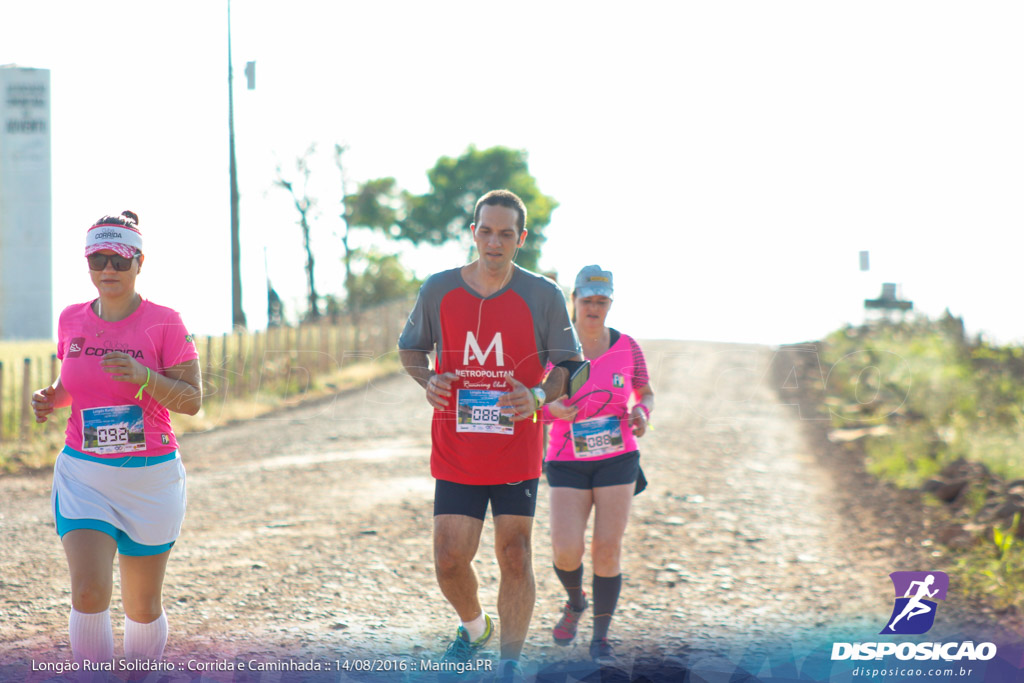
[{"x": 916, "y": 593}]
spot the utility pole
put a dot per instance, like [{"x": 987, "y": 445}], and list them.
[{"x": 237, "y": 315}]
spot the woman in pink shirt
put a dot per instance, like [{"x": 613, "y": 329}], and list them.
[
  {"x": 592, "y": 460},
  {"x": 119, "y": 485}
]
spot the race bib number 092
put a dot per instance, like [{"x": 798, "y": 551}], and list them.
[
  {"x": 113, "y": 429},
  {"x": 112, "y": 436}
]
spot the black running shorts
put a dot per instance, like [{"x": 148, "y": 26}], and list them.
[
  {"x": 591, "y": 474},
  {"x": 519, "y": 498}
]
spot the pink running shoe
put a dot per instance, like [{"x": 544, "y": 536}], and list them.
[{"x": 565, "y": 630}]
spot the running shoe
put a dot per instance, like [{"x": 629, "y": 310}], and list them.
[
  {"x": 601, "y": 651},
  {"x": 509, "y": 672},
  {"x": 565, "y": 630},
  {"x": 462, "y": 649}
]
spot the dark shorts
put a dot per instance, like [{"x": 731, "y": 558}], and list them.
[
  {"x": 471, "y": 500},
  {"x": 591, "y": 474}
]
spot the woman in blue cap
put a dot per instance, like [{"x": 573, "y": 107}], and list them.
[{"x": 593, "y": 462}]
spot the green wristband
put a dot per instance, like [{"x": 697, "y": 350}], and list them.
[{"x": 138, "y": 396}]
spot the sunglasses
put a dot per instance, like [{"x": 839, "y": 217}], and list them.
[{"x": 100, "y": 261}]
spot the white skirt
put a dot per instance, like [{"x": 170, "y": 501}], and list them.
[{"x": 147, "y": 503}]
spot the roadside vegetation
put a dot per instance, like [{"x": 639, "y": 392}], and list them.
[{"x": 935, "y": 410}]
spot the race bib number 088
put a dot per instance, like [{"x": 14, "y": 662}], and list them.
[{"x": 597, "y": 436}]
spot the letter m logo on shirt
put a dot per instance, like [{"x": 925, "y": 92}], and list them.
[{"x": 473, "y": 352}]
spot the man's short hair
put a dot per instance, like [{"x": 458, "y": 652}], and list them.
[{"x": 504, "y": 198}]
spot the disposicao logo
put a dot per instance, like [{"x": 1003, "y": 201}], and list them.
[
  {"x": 916, "y": 594},
  {"x": 913, "y": 613}
]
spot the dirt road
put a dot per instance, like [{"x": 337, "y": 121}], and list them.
[{"x": 308, "y": 536}]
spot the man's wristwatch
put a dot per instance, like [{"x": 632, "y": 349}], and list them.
[{"x": 538, "y": 397}]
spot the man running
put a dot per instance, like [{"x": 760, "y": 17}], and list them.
[{"x": 493, "y": 326}]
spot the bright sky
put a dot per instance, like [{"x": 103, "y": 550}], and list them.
[{"x": 727, "y": 160}]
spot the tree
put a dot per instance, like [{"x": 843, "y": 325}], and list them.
[
  {"x": 442, "y": 214},
  {"x": 304, "y": 205},
  {"x": 275, "y": 307},
  {"x": 384, "y": 279},
  {"x": 372, "y": 206},
  {"x": 446, "y": 211}
]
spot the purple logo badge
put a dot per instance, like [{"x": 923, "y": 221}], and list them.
[{"x": 916, "y": 594}]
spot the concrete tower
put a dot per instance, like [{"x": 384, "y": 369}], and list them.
[{"x": 26, "y": 283}]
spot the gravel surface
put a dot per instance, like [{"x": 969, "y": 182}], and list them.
[{"x": 308, "y": 537}]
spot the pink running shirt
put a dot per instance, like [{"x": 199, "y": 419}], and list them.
[
  {"x": 601, "y": 428},
  {"x": 107, "y": 421}
]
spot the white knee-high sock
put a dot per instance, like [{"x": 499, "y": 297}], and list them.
[
  {"x": 145, "y": 642},
  {"x": 92, "y": 637}
]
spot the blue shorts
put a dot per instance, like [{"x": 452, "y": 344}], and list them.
[{"x": 125, "y": 545}]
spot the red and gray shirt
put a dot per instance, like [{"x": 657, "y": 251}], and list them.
[{"x": 483, "y": 340}]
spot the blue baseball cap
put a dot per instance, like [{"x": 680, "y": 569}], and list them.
[{"x": 592, "y": 281}]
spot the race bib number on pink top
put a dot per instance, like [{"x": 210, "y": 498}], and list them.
[
  {"x": 597, "y": 436},
  {"x": 113, "y": 429}
]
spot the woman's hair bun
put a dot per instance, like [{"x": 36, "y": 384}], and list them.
[{"x": 132, "y": 216}]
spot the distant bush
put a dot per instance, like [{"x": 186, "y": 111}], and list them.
[
  {"x": 947, "y": 397},
  {"x": 946, "y": 416}
]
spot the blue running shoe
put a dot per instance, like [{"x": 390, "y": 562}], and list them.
[{"x": 462, "y": 649}]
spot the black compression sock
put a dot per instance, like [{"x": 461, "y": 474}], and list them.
[
  {"x": 606, "y": 596},
  {"x": 572, "y": 581}
]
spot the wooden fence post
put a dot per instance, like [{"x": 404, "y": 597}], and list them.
[
  {"x": 286, "y": 353},
  {"x": 208, "y": 370},
  {"x": 321, "y": 364},
  {"x": 339, "y": 343},
  {"x": 223, "y": 364},
  {"x": 256, "y": 366},
  {"x": 274, "y": 349},
  {"x": 1, "y": 400},
  {"x": 240, "y": 363},
  {"x": 26, "y": 397},
  {"x": 287, "y": 375}
]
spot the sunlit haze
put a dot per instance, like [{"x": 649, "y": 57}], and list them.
[{"x": 727, "y": 161}]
